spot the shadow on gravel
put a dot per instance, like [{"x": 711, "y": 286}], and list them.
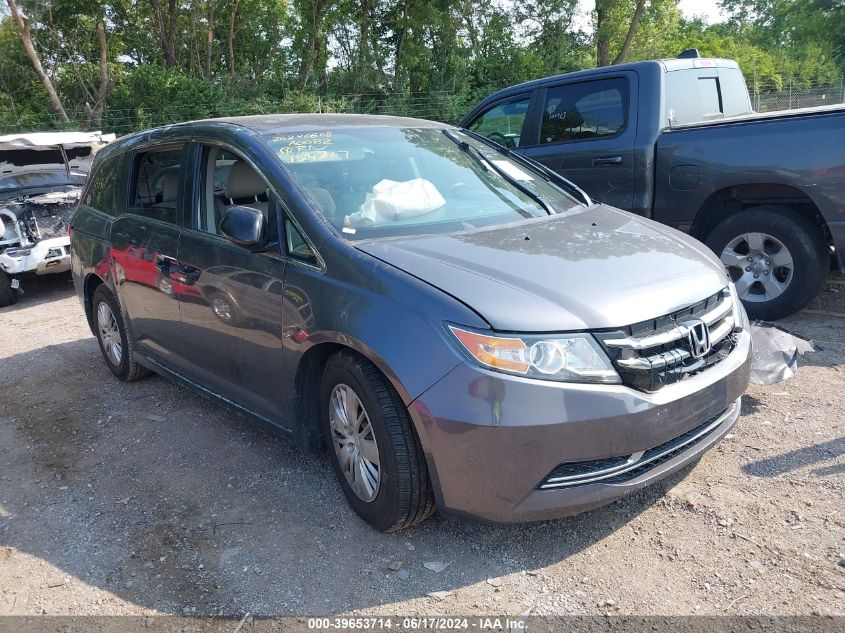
[
  {"x": 793, "y": 460},
  {"x": 156, "y": 495},
  {"x": 38, "y": 290}
]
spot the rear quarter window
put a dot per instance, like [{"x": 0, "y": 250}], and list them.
[
  {"x": 704, "y": 94},
  {"x": 107, "y": 184}
]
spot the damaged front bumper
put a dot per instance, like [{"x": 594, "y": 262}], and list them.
[{"x": 45, "y": 257}]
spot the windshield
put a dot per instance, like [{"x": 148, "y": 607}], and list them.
[{"x": 372, "y": 182}]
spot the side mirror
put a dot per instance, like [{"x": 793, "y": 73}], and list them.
[{"x": 245, "y": 226}]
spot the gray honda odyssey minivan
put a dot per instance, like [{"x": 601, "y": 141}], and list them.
[{"x": 457, "y": 326}]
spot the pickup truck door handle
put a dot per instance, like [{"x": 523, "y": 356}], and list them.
[
  {"x": 599, "y": 161},
  {"x": 163, "y": 263}
]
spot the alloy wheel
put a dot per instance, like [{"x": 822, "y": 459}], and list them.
[
  {"x": 109, "y": 334},
  {"x": 222, "y": 309},
  {"x": 760, "y": 266},
  {"x": 354, "y": 442}
]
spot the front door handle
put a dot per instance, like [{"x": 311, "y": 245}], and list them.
[{"x": 600, "y": 161}]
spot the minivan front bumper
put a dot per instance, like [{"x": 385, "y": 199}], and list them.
[{"x": 504, "y": 448}]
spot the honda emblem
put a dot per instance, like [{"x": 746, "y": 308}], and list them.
[{"x": 698, "y": 338}]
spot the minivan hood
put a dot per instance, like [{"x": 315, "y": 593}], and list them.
[{"x": 589, "y": 268}]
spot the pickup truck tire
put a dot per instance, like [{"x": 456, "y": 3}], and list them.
[
  {"x": 115, "y": 343},
  {"x": 8, "y": 295},
  {"x": 777, "y": 258},
  {"x": 373, "y": 446}
]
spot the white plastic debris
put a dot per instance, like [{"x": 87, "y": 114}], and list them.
[
  {"x": 775, "y": 352},
  {"x": 390, "y": 201}
]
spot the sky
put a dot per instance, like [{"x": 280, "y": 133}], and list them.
[{"x": 707, "y": 9}]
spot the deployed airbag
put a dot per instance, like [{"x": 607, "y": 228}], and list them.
[{"x": 392, "y": 201}]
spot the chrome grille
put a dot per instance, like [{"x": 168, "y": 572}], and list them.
[{"x": 654, "y": 353}]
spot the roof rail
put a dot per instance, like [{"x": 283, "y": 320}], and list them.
[{"x": 690, "y": 53}]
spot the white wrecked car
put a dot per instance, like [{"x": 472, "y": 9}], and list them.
[{"x": 41, "y": 176}]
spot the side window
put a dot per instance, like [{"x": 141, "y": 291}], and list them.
[
  {"x": 106, "y": 185},
  {"x": 296, "y": 245},
  {"x": 503, "y": 122},
  {"x": 155, "y": 184},
  {"x": 587, "y": 110},
  {"x": 229, "y": 181}
]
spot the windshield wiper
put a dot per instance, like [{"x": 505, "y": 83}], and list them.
[
  {"x": 548, "y": 174},
  {"x": 476, "y": 154}
]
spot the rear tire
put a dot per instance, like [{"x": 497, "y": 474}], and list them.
[
  {"x": 791, "y": 263},
  {"x": 115, "y": 343},
  {"x": 8, "y": 295},
  {"x": 403, "y": 495}
]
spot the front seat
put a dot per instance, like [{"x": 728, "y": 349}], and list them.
[{"x": 245, "y": 187}]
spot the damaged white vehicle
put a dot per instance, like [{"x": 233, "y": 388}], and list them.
[{"x": 41, "y": 177}]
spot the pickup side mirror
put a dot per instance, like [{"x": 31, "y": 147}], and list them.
[{"x": 245, "y": 226}]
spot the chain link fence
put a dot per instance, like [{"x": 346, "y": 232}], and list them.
[
  {"x": 787, "y": 96},
  {"x": 441, "y": 106},
  {"x": 449, "y": 107}
]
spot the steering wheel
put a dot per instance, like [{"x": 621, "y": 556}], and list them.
[{"x": 501, "y": 139}]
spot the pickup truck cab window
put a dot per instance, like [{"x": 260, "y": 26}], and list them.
[
  {"x": 503, "y": 122},
  {"x": 585, "y": 110}
]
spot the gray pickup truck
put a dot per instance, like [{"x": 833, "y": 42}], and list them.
[{"x": 676, "y": 140}]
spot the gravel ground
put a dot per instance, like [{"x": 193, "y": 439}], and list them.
[{"x": 144, "y": 498}]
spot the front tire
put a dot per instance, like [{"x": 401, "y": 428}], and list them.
[
  {"x": 777, "y": 258},
  {"x": 373, "y": 445},
  {"x": 115, "y": 344},
  {"x": 8, "y": 295},
  {"x": 224, "y": 308}
]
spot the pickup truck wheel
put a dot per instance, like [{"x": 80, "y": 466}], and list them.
[
  {"x": 8, "y": 295},
  {"x": 373, "y": 446},
  {"x": 115, "y": 344},
  {"x": 777, "y": 259}
]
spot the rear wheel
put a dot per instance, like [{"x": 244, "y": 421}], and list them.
[
  {"x": 8, "y": 295},
  {"x": 777, "y": 259},
  {"x": 112, "y": 335},
  {"x": 373, "y": 446}
]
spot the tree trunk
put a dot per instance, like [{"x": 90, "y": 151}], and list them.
[
  {"x": 400, "y": 45},
  {"x": 602, "y": 39},
  {"x": 26, "y": 38},
  {"x": 632, "y": 29},
  {"x": 231, "y": 38},
  {"x": 166, "y": 30},
  {"x": 105, "y": 79},
  {"x": 306, "y": 64},
  {"x": 209, "y": 38}
]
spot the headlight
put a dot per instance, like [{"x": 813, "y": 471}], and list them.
[
  {"x": 562, "y": 357},
  {"x": 738, "y": 310}
]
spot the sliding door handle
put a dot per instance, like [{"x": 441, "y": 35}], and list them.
[{"x": 600, "y": 161}]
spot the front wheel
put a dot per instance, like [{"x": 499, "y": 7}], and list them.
[
  {"x": 8, "y": 295},
  {"x": 115, "y": 344},
  {"x": 777, "y": 259},
  {"x": 373, "y": 446}
]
